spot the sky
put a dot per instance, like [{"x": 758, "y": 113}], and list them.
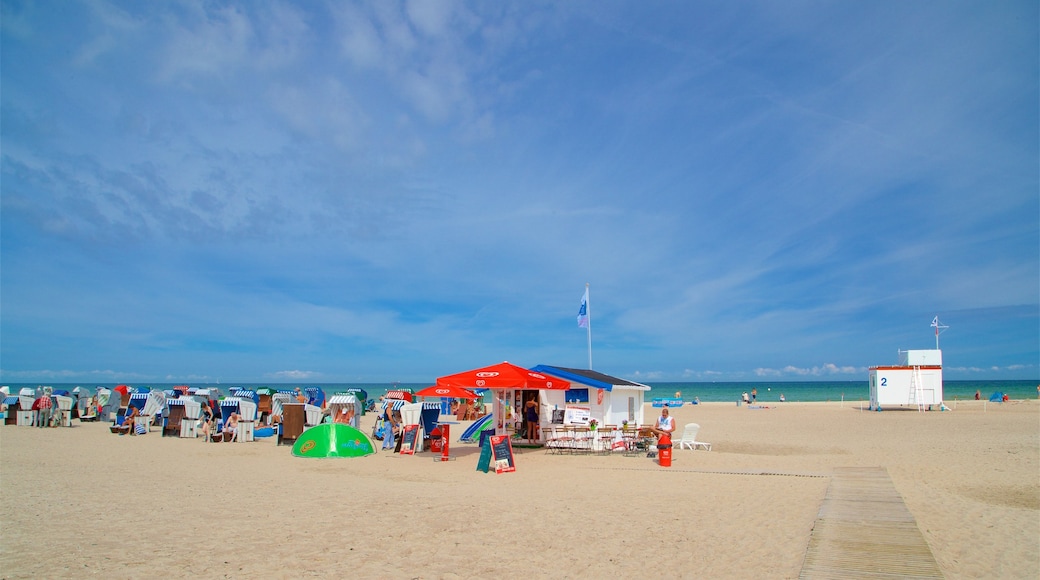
[{"x": 320, "y": 192}]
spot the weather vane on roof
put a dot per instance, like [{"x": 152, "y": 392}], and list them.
[{"x": 939, "y": 327}]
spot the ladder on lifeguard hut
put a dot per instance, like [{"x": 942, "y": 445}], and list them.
[{"x": 916, "y": 389}]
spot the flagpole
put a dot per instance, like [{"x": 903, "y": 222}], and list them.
[{"x": 588, "y": 327}]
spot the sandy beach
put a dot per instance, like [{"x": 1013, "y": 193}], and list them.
[{"x": 80, "y": 501}]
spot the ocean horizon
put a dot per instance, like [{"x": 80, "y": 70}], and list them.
[{"x": 707, "y": 392}]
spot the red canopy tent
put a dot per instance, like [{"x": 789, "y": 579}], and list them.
[
  {"x": 502, "y": 377},
  {"x": 447, "y": 391}
]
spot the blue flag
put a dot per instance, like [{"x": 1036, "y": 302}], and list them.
[{"x": 583, "y": 311}]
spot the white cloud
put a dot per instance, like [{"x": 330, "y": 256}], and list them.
[{"x": 294, "y": 375}]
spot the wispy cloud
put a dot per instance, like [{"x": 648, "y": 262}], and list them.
[{"x": 295, "y": 375}]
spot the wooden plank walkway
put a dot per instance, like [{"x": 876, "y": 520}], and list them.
[{"x": 863, "y": 530}]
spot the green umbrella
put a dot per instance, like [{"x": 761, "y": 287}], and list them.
[{"x": 333, "y": 440}]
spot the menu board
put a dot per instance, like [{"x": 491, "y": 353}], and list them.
[
  {"x": 408, "y": 437},
  {"x": 484, "y": 462},
  {"x": 575, "y": 415},
  {"x": 557, "y": 416},
  {"x": 502, "y": 450}
]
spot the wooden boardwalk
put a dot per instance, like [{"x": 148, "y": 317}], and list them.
[{"x": 863, "y": 530}]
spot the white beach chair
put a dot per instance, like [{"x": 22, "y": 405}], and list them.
[
  {"x": 313, "y": 414},
  {"x": 64, "y": 410},
  {"x": 689, "y": 438},
  {"x": 153, "y": 406},
  {"x": 247, "y": 420},
  {"x": 192, "y": 415}
]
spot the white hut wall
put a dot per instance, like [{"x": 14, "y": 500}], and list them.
[
  {"x": 893, "y": 386},
  {"x": 625, "y": 405}
]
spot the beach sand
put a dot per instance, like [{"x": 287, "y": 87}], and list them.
[{"x": 80, "y": 501}]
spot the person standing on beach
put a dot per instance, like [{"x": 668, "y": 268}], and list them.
[
  {"x": 531, "y": 416},
  {"x": 754, "y": 395},
  {"x": 388, "y": 427},
  {"x": 978, "y": 395}
]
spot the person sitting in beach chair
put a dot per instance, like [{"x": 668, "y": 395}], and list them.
[
  {"x": 127, "y": 426},
  {"x": 345, "y": 416},
  {"x": 231, "y": 428}
]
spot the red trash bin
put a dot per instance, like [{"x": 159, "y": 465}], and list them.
[
  {"x": 664, "y": 451},
  {"x": 435, "y": 440}
]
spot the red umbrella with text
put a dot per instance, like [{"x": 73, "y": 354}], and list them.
[
  {"x": 503, "y": 376},
  {"x": 455, "y": 392}
]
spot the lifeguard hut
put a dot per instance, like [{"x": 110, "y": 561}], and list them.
[{"x": 915, "y": 382}]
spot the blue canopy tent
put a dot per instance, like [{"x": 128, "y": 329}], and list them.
[{"x": 996, "y": 397}]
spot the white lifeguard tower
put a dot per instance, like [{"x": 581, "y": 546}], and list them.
[{"x": 915, "y": 382}]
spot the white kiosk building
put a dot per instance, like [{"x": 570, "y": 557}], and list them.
[{"x": 915, "y": 382}]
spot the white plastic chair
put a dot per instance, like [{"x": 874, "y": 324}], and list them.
[{"x": 689, "y": 438}]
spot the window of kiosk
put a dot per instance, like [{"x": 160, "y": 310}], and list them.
[{"x": 577, "y": 395}]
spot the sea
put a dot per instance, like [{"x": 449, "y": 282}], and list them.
[{"x": 707, "y": 392}]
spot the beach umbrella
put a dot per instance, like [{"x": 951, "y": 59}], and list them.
[
  {"x": 333, "y": 440},
  {"x": 452, "y": 391},
  {"x": 122, "y": 389},
  {"x": 503, "y": 376}
]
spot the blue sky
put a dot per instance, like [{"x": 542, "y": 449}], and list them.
[{"x": 346, "y": 192}]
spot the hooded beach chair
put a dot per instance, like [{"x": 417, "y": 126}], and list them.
[
  {"x": 26, "y": 416},
  {"x": 294, "y": 419},
  {"x": 151, "y": 406},
  {"x": 109, "y": 402},
  {"x": 82, "y": 405},
  {"x": 362, "y": 397},
  {"x": 349, "y": 403},
  {"x": 11, "y": 404},
  {"x": 190, "y": 421},
  {"x": 137, "y": 401},
  {"x": 246, "y": 419},
  {"x": 429, "y": 417},
  {"x": 315, "y": 397},
  {"x": 63, "y": 410},
  {"x": 278, "y": 401},
  {"x": 174, "y": 417},
  {"x": 263, "y": 402},
  {"x": 399, "y": 395},
  {"x": 227, "y": 407},
  {"x": 689, "y": 438},
  {"x": 313, "y": 415},
  {"x": 246, "y": 395}
]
